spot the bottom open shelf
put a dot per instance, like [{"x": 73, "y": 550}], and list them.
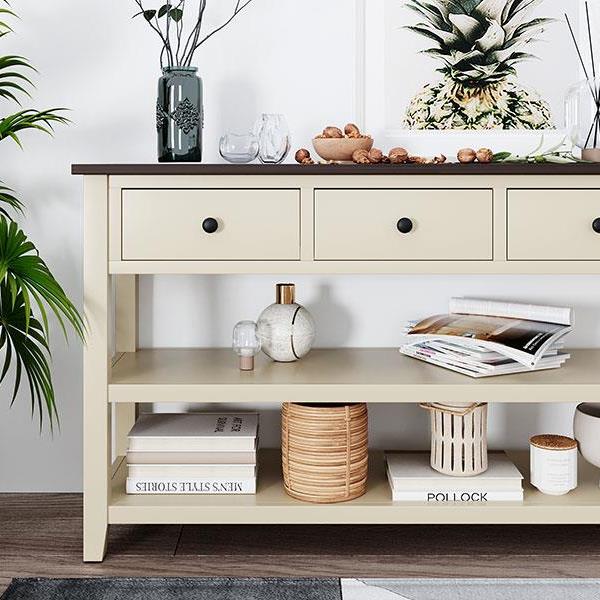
[{"x": 272, "y": 505}]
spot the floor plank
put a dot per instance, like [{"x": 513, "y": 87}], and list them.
[{"x": 40, "y": 536}]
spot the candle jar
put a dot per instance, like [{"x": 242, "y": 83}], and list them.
[{"x": 553, "y": 461}]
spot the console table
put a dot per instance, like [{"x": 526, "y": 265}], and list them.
[{"x": 193, "y": 218}]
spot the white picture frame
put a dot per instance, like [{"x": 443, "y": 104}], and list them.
[{"x": 371, "y": 109}]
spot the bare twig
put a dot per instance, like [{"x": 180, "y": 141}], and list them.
[
  {"x": 182, "y": 53},
  {"x": 239, "y": 8},
  {"x": 154, "y": 27},
  {"x": 194, "y": 34}
]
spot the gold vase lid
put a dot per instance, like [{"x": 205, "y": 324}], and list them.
[{"x": 285, "y": 293}]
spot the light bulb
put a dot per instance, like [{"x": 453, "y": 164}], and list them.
[{"x": 246, "y": 344}]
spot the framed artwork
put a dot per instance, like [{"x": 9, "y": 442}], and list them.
[{"x": 462, "y": 72}]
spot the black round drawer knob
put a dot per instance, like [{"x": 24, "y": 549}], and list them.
[
  {"x": 596, "y": 225},
  {"x": 210, "y": 225},
  {"x": 404, "y": 225}
]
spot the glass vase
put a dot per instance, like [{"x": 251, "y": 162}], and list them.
[
  {"x": 273, "y": 138},
  {"x": 582, "y": 115},
  {"x": 179, "y": 115},
  {"x": 238, "y": 148}
]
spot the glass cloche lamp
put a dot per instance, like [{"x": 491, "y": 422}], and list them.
[
  {"x": 582, "y": 116},
  {"x": 246, "y": 344}
]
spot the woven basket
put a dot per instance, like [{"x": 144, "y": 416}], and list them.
[
  {"x": 458, "y": 439},
  {"x": 324, "y": 451}
]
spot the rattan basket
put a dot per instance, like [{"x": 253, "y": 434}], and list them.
[
  {"x": 324, "y": 451},
  {"x": 458, "y": 439}
]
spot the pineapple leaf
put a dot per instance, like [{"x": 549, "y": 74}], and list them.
[
  {"x": 431, "y": 13},
  {"x": 529, "y": 29},
  {"x": 490, "y": 9},
  {"x": 468, "y": 27},
  {"x": 493, "y": 37}
]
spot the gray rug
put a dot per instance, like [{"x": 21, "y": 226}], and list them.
[
  {"x": 217, "y": 588},
  {"x": 471, "y": 589}
]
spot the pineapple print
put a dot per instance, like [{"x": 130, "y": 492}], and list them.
[{"x": 478, "y": 42}]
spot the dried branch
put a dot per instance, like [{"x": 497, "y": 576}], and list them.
[{"x": 238, "y": 9}]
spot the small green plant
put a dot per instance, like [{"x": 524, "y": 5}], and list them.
[
  {"x": 168, "y": 21},
  {"x": 28, "y": 290}
]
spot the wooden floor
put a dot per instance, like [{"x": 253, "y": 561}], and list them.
[{"x": 40, "y": 536}]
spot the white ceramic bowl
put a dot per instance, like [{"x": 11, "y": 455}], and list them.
[{"x": 586, "y": 428}]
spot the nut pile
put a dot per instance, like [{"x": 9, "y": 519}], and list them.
[
  {"x": 351, "y": 131},
  {"x": 395, "y": 156},
  {"x": 468, "y": 155}
]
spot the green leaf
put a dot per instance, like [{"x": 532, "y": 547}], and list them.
[
  {"x": 163, "y": 10},
  {"x": 30, "y": 119},
  {"x": 500, "y": 156},
  {"x": 149, "y": 14},
  {"x": 176, "y": 14}
]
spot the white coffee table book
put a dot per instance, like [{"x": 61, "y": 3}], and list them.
[
  {"x": 412, "y": 479},
  {"x": 193, "y": 453}
]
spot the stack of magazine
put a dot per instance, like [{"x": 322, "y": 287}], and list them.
[
  {"x": 481, "y": 338},
  {"x": 193, "y": 453}
]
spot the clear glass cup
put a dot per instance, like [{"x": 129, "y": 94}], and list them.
[
  {"x": 238, "y": 148},
  {"x": 273, "y": 138}
]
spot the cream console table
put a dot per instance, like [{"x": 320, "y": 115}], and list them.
[{"x": 187, "y": 218}]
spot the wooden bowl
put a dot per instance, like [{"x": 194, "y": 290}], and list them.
[{"x": 340, "y": 149}]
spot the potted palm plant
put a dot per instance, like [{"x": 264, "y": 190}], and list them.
[{"x": 29, "y": 293}]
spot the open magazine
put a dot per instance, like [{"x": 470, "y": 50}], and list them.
[{"x": 490, "y": 337}]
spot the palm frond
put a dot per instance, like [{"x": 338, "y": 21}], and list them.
[
  {"x": 26, "y": 352},
  {"x": 44, "y": 120},
  {"x": 7, "y": 197},
  {"x": 22, "y": 268},
  {"x": 12, "y": 79}
]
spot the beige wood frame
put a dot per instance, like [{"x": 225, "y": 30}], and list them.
[{"x": 114, "y": 385}]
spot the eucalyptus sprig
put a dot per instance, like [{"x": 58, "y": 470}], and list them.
[
  {"x": 168, "y": 22},
  {"x": 555, "y": 154}
]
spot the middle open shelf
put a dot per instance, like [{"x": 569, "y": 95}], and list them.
[{"x": 337, "y": 375}]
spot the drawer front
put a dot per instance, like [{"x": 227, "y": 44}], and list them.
[
  {"x": 553, "y": 224},
  {"x": 449, "y": 224},
  {"x": 253, "y": 224}
]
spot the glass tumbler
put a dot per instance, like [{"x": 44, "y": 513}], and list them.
[{"x": 273, "y": 138}]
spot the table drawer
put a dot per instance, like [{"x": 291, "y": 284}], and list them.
[
  {"x": 445, "y": 224},
  {"x": 553, "y": 224},
  {"x": 252, "y": 224}
]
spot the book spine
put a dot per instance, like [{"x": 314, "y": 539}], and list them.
[
  {"x": 191, "y": 486},
  {"x": 459, "y": 496}
]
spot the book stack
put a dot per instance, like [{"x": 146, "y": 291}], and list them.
[
  {"x": 483, "y": 338},
  {"x": 193, "y": 453},
  {"x": 412, "y": 479}
]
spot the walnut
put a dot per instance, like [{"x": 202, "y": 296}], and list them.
[
  {"x": 361, "y": 157},
  {"x": 302, "y": 154},
  {"x": 466, "y": 155},
  {"x": 375, "y": 155},
  {"x": 352, "y": 131},
  {"x": 439, "y": 159},
  {"x": 484, "y": 155},
  {"x": 385, "y": 160},
  {"x": 398, "y": 155},
  {"x": 308, "y": 161},
  {"x": 332, "y": 132}
]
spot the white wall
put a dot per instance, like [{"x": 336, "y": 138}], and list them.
[{"x": 293, "y": 57}]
